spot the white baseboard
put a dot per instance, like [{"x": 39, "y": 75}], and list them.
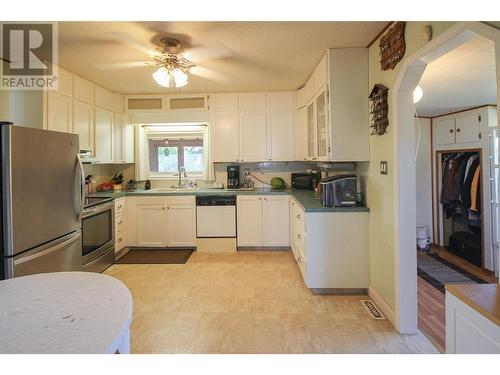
[{"x": 379, "y": 301}]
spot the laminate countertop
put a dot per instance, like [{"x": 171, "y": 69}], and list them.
[
  {"x": 308, "y": 199},
  {"x": 484, "y": 298}
]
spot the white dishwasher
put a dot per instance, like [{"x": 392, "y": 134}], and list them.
[{"x": 216, "y": 216}]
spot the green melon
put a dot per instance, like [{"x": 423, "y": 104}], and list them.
[{"x": 277, "y": 183}]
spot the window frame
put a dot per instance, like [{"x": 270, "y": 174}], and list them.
[{"x": 177, "y": 134}]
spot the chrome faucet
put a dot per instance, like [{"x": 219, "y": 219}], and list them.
[{"x": 182, "y": 172}]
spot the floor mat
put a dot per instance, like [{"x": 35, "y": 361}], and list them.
[
  {"x": 438, "y": 272},
  {"x": 155, "y": 256}
]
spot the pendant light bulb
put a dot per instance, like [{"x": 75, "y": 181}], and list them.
[{"x": 417, "y": 94}]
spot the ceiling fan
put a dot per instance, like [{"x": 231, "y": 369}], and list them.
[{"x": 174, "y": 63}]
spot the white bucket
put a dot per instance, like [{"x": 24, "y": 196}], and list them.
[
  {"x": 422, "y": 232},
  {"x": 424, "y": 244}
]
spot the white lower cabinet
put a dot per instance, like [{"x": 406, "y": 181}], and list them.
[
  {"x": 165, "y": 221},
  {"x": 151, "y": 221},
  {"x": 181, "y": 221},
  {"x": 249, "y": 219},
  {"x": 331, "y": 248},
  {"x": 120, "y": 224},
  {"x": 263, "y": 220},
  {"x": 468, "y": 331}
]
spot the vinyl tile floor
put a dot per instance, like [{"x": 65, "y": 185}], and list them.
[{"x": 249, "y": 302}]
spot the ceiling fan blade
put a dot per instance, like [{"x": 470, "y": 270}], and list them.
[
  {"x": 133, "y": 44},
  {"x": 212, "y": 52},
  {"x": 120, "y": 65},
  {"x": 208, "y": 73}
]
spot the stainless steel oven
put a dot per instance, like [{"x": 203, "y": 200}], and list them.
[{"x": 98, "y": 235}]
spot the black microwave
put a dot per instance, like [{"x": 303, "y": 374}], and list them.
[{"x": 307, "y": 181}]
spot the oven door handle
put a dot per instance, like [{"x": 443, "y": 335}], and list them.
[{"x": 98, "y": 209}]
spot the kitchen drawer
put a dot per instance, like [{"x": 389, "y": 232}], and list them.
[
  {"x": 120, "y": 205},
  {"x": 120, "y": 240},
  {"x": 120, "y": 223},
  {"x": 302, "y": 263},
  {"x": 184, "y": 199},
  {"x": 157, "y": 200},
  {"x": 299, "y": 218}
]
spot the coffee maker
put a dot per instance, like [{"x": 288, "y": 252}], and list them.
[{"x": 233, "y": 177}]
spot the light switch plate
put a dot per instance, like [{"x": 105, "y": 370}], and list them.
[{"x": 383, "y": 167}]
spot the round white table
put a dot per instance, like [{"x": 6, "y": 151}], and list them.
[{"x": 65, "y": 312}]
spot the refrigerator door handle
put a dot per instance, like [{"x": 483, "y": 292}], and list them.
[
  {"x": 49, "y": 250},
  {"x": 82, "y": 185}
]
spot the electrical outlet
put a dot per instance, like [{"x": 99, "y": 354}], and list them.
[{"x": 383, "y": 167}]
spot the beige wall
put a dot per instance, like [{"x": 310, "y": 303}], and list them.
[{"x": 380, "y": 187}]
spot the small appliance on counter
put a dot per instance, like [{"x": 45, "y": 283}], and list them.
[
  {"x": 339, "y": 191},
  {"x": 233, "y": 177},
  {"x": 306, "y": 181}
]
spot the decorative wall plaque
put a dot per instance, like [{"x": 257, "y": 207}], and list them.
[
  {"x": 379, "y": 109},
  {"x": 392, "y": 46}
]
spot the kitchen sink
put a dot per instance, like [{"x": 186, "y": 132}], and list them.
[{"x": 174, "y": 188}]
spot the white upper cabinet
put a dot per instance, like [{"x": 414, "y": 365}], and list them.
[
  {"x": 224, "y": 136},
  {"x": 59, "y": 112},
  {"x": 301, "y": 134},
  {"x": 444, "y": 131},
  {"x": 468, "y": 128},
  {"x": 279, "y": 100},
  {"x": 104, "y": 98},
  {"x": 83, "y": 124},
  {"x": 65, "y": 82},
  {"x": 347, "y": 102},
  {"x": 322, "y": 141},
  {"x": 318, "y": 78},
  {"x": 250, "y": 101},
  {"x": 280, "y": 135},
  {"x": 223, "y": 101},
  {"x": 123, "y": 139},
  {"x": 83, "y": 90},
  {"x": 103, "y": 135},
  {"x": 300, "y": 97},
  {"x": 253, "y": 136}
]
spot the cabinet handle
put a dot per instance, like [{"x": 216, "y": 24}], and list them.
[
  {"x": 120, "y": 239},
  {"x": 458, "y": 130},
  {"x": 314, "y": 158},
  {"x": 163, "y": 208},
  {"x": 265, "y": 199},
  {"x": 168, "y": 207},
  {"x": 120, "y": 222},
  {"x": 298, "y": 216},
  {"x": 120, "y": 206},
  {"x": 451, "y": 131},
  {"x": 260, "y": 199},
  {"x": 299, "y": 259},
  {"x": 299, "y": 236},
  {"x": 270, "y": 159}
]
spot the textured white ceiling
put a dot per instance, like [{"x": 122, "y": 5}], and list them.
[
  {"x": 463, "y": 78},
  {"x": 263, "y": 55}
]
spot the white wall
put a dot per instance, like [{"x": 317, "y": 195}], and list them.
[{"x": 423, "y": 166}]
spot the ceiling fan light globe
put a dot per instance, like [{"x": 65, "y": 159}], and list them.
[
  {"x": 180, "y": 78},
  {"x": 162, "y": 77}
]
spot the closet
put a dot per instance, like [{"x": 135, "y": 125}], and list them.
[
  {"x": 464, "y": 193},
  {"x": 461, "y": 200}
]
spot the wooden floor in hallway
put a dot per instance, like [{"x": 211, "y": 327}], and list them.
[
  {"x": 431, "y": 313},
  {"x": 249, "y": 302}
]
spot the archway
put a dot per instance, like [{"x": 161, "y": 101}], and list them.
[{"x": 404, "y": 167}]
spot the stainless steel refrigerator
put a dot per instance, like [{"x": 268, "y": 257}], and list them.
[{"x": 41, "y": 201}]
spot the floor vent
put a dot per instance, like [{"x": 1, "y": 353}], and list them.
[{"x": 372, "y": 309}]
